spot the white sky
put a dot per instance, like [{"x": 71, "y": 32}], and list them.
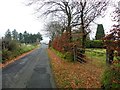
[{"x": 15, "y": 15}]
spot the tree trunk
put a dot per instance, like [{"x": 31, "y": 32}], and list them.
[
  {"x": 50, "y": 42},
  {"x": 83, "y": 43},
  {"x": 83, "y": 31},
  {"x": 69, "y": 33},
  {"x": 70, "y": 37},
  {"x": 83, "y": 35}
]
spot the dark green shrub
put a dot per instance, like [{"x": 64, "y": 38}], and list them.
[
  {"x": 13, "y": 45},
  {"x": 16, "y": 53},
  {"x": 6, "y": 55},
  {"x": 94, "y": 44},
  {"x": 14, "y": 49},
  {"x": 111, "y": 77}
]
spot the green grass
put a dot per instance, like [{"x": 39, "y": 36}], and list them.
[
  {"x": 111, "y": 73},
  {"x": 111, "y": 76},
  {"x": 99, "y": 54},
  {"x": 26, "y": 48},
  {"x": 96, "y": 53},
  {"x": 58, "y": 53},
  {"x": 67, "y": 56},
  {"x": 8, "y": 55}
]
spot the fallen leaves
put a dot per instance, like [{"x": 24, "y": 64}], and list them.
[{"x": 75, "y": 75}]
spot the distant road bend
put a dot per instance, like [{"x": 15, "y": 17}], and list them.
[{"x": 31, "y": 71}]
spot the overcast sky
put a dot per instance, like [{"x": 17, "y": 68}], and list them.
[{"x": 15, "y": 15}]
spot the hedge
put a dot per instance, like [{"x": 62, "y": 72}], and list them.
[{"x": 94, "y": 44}]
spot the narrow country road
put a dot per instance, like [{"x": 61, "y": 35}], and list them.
[{"x": 31, "y": 71}]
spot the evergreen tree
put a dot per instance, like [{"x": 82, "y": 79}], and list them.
[
  {"x": 29, "y": 38},
  {"x": 26, "y": 37},
  {"x": 8, "y": 35},
  {"x": 15, "y": 34},
  {"x": 20, "y": 37},
  {"x": 39, "y": 36},
  {"x": 100, "y": 32}
]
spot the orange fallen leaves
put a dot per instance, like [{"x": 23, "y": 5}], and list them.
[{"x": 75, "y": 75}]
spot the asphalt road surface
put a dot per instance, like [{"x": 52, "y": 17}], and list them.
[{"x": 31, "y": 71}]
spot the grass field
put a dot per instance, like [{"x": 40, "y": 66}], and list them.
[{"x": 97, "y": 55}]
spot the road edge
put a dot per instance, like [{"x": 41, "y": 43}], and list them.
[
  {"x": 52, "y": 80},
  {"x": 17, "y": 58}
]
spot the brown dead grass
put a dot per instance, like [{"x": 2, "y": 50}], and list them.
[{"x": 75, "y": 74}]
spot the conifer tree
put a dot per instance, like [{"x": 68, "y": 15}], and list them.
[{"x": 100, "y": 32}]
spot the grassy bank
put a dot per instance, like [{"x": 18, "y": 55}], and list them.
[
  {"x": 75, "y": 74},
  {"x": 67, "y": 56},
  {"x": 8, "y": 55}
]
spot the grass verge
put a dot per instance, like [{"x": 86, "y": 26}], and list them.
[
  {"x": 67, "y": 56},
  {"x": 9, "y": 55},
  {"x": 74, "y": 74}
]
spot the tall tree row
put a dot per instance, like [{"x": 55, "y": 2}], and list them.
[{"x": 22, "y": 37}]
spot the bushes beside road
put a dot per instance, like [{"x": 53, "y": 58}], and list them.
[{"x": 15, "y": 49}]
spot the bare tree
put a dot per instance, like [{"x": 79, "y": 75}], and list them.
[
  {"x": 63, "y": 11},
  {"x": 88, "y": 11},
  {"x": 53, "y": 29},
  {"x": 73, "y": 13}
]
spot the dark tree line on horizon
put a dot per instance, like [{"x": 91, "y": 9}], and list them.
[{"x": 27, "y": 38}]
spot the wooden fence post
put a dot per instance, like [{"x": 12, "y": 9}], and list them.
[{"x": 74, "y": 51}]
